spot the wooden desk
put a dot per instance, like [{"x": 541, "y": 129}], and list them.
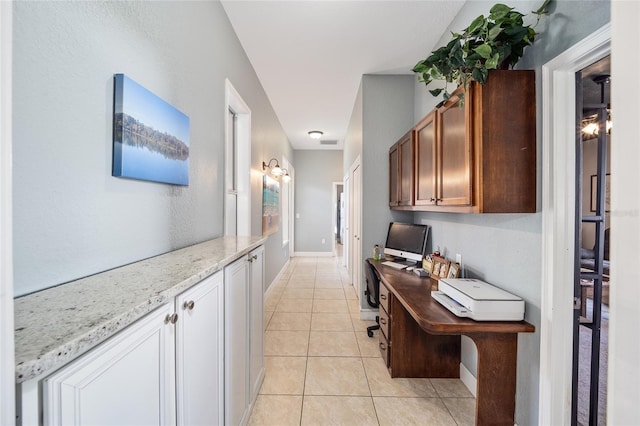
[{"x": 496, "y": 342}]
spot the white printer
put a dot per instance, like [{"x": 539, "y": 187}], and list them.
[{"x": 478, "y": 300}]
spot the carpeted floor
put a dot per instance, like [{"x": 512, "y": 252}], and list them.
[{"x": 584, "y": 368}]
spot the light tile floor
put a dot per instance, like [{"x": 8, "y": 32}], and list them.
[{"x": 323, "y": 369}]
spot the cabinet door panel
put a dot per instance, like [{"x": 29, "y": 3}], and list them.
[
  {"x": 236, "y": 381},
  {"x": 257, "y": 321},
  {"x": 405, "y": 147},
  {"x": 128, "y": 380},
  {"x": 455, "y": 154},
  {"x": 199, "y": 356},
  {"x": 425, "y": 171},
  {"x": 393, "y": 176}
]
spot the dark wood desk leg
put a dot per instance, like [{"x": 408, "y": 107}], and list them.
[{"x": 496, "y": 381}]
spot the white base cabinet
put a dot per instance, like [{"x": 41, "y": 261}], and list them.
[
  {"x": 165, "y": 369},
  {"x": 199, "y": 353},
  {"x": 244, "y": 335},
  {"x": 128, "y": 380}
]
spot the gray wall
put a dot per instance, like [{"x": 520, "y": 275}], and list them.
[
  {"x": 506, "y": 249},
  {"x": 385, "y": 115},
  {"x": 353, "y": 139},
  {"x": 71, "y": 218},
  {"x": 316, "y": 170}
]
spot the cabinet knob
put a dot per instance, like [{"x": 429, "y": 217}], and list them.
[
  {"x": 383, "y": 296},
  {"x": 171, "y": 318},
  {"x": 382, "y": 346},
  {"x": 382, "y": 321},
  {"x": 189, "y": 305}
]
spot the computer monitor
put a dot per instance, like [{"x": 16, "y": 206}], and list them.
[{"x": 406, "y": 240}]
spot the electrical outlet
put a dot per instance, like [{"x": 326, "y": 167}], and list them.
[
  {"x": 459, "y": 258},
  {"x": 323, "y": 241}
]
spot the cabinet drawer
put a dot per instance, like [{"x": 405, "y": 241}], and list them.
[
  {"x": 385, "y": 297},
  {"x": 385, "y": 323},
  {"x": 385, "y": 350}
]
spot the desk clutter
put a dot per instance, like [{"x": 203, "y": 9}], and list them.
[{"x": 440, "y": 267}]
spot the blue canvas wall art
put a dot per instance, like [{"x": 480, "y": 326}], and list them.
[{"x": 150, "y": 137}]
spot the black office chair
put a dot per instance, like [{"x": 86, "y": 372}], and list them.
[{"x": 372, "y": 292}]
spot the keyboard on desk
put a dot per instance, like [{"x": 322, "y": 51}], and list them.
[{"x": 395, "y": 265}]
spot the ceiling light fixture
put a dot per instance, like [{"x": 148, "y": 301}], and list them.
[
  {"x": 276, "y": 170},
  {"x": 315, "y": 134},
  {"x": 592, "y": 124}
]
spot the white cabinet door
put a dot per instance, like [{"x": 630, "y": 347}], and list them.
[
  {"x": 199, "y": 353},
  {"x": 236, "y": 381},
  {"x": 127, "y": 380},
  {"x": 256, "y": 315}
]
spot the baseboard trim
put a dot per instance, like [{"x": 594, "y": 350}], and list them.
[
  {"x": 277, "y": 278},
  {"x": 368, "y": 314},
  {"x": 468, "y": 379},
  {"x": 313, "y": 254}
]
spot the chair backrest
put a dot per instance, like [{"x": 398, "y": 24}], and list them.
[{"x": 373, "y": 284}]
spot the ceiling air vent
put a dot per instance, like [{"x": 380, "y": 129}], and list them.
[{"x": 329, "y": 142}]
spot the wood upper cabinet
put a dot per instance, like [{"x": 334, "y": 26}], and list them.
[
  {"x": 401, "y": 183},
  {"x": 479, "y": 157},
  {"x": 454, "y": 168},
  {"x": 504, "y": 135},
  {"x": 426, "y": 164},
  {"x": 393, "y": 175},
  {"x": 405, "y": 155}
]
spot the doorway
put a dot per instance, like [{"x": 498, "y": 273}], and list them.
[
  {"x": 592, "y": 263},
  {"x": 558, "y": 206},
  {"x": 237, "y": 201},
  {"x": 338, "y": 220}
]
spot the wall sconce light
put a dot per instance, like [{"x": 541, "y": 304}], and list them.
[
  {"x": 276, "y": 170},
  {"x": 315, "y": 134}
]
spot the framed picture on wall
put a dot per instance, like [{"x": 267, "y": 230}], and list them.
[
  {"x": 150, "y": 137},
  {"x": 270, "y": 205},
  {"x": 607, "y": 192}
]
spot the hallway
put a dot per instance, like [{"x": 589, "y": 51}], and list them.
[{"x": 322, "y": 368}]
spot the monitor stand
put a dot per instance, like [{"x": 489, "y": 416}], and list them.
[{"x": 402, "y": 261}]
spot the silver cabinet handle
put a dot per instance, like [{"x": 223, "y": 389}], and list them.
[
  {"x": 189, "y": 305},
  {"x": 171, "y": 318},
  {"x": 252, "y": 258}
]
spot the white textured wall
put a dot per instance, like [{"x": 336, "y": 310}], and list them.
[{"x": 71, "y": 217}]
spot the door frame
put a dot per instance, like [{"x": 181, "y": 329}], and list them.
[
  {"x": 558, "y": 222},
  {"x": 355, "y": 233},
  {"x": 334, "y": 220},
  {"x": 233, "y": 101},
  {"x": 7, "y": 362}
]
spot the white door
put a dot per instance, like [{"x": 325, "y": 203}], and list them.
[
  {"x": 356, "y": 227},
  {"x": 128, "y": 380},
  {"x": 256, "y": 314},
  {"x": 199, "y": 353},
  {"x": 346, "y": 237},
  {"x": 236, "y": 380}
]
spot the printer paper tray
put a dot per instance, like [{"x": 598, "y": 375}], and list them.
[{"x": 461, "y": 311}]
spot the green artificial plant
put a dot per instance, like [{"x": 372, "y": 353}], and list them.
[{"x": 491, "y": 42}]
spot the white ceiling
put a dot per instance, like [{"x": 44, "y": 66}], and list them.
[{"x": 310, "y": 55}]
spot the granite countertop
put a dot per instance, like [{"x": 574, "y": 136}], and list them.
[{"x": 56, "y": 325}]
